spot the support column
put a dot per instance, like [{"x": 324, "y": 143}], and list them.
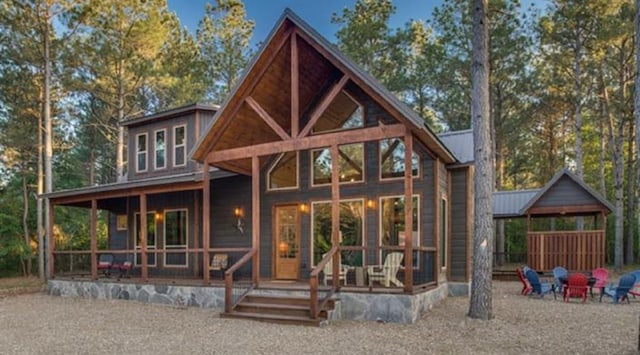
[
  {"x": 408, "y": 212},
  {"x": 206, "y": 232},
  {"x": 51, "y": 240},
  {"x": 255, "y": 216},
  {"x": 196, "y": 232},
  {"x": 143, "y": 237},
  {"x": 93, "y": 239},
  {"x": 335, "y": 212}
]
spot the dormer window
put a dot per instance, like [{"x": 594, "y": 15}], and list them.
[
  {"x": 160, "y": 149},
  {"x": 141, "y": 152},
  {"x": 179, "y": 146}
]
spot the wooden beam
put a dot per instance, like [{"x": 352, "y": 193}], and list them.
[
  {"x": 335, "y": 212},
  {"x": 93, "y": 238},
  {"x": 295, "y": 82},
  {"x": 51, "y": 239},
  {"x": 255, "y": 217},
  {"x": 196, "y": 231},
  {"x": 143, "y": 237},
  {"x": 562, "y": 210},
  {"x": 206, "y": 232},
  {"x": 323, "y": 105},
  {"x": 408, "y": 214},
  {"x": 267, "y": 118},
  {"x": 311, "y": 142}
]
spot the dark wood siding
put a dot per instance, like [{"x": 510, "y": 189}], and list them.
[
  {"x": 566, "y": 192},
  {"x": 459, "y": 248}
]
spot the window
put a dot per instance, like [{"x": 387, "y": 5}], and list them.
[
  {"x": 141, "y": 152},
  {"x": 351, "y": 230},
  {"x": 350, "y": 164},
  {"x": 160, "y": 149},
  {"x": 392, "y": 159},
  {"x": 392, "y": 228},
  {"x": 179, "y": 146},
  {"x": 284, "y": 172},
  {"x": 343, "y": 113},
  {"x": 444, "y": 227},
  {"x": 175, "y": 237},
  {"x": 151, "y": 238}
]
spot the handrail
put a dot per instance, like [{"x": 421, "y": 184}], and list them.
[
  {"x": 314, "y": 308},
  {"x": 229, "y": 302}
]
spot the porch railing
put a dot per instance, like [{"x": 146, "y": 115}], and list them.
[
  {"x": 314, "y": 306},
  {"x": 236, "y": 289},
  {"x": 574, "y": 250}
]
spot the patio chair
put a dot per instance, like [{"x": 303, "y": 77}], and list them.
[
  {"x": 328, "y": 271},
  {"x": 635, "y": 290},
  {"x": 105, "y": 263},
  {"x": 526, "y": 287},
  {"x": 558, "y": 273},
  {"x": 620, "y": 292},
  {"x": 219, "y": 262},
  {"x": 576, "y": 287},
  {"x": 602, "y": 277},
  {"x": 123, "y": 267},
  {"x": 387, "y": 272},
  {"x": 541, "y": 288}
]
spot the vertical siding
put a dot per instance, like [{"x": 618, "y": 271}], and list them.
[{"x": 459, "y": 245}]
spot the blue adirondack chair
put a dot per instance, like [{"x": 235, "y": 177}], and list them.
[
  {"x": 620, "y": 292},
  {"x": 559, "y": 272},
  {"x": 541, "y": 288},
  {"x": 635, "y": 290}
]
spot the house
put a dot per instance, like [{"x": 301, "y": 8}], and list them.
[{"x": 308, "y": 175}]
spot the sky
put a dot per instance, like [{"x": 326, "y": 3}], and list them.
[{"x": 316, "y": 13}]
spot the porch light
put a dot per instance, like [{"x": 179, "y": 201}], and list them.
[
  {"x": 371, "y": 204},
  {"x": 304, "y": 208},
  {"x": 158, "y": 216},
  {"x": 238, "y": 212}
]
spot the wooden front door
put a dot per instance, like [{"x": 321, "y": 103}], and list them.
[{"x": 286, "y": 240}]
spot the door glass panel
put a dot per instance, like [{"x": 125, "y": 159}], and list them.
[{"x": 287, "y": 243}]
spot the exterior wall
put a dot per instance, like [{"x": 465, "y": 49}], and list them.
[
  {"x": 460, "y": 233},
  {"x": 566, "y": 192}
]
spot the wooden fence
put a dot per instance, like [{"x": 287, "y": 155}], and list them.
[{"x": 573, "y": 250}]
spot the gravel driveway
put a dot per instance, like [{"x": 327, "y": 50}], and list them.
[{"x": 41, "y": 324}]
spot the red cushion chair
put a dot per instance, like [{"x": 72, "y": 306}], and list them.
[
  {"x": 576, "y": 287},
  {"x": 526, "y": 287},
  {"x": 602, "y": 277}
]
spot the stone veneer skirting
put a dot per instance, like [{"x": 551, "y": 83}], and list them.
[{"x": 396, "y": 308}]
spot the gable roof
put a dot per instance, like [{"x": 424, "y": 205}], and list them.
[
  {"x": 507, "y": 204},
  {"x": 581, "y": 195},
  {"x": 170, "y": 113},
  {"x": 460, "y": 143},
  {"x": 265, "y": 90}
]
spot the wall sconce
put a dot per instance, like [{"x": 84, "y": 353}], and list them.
[
  {"x": 304, "y": 208},
  {"x": 371, "y": 204},
  {"x": 239, "y": 214},
  {"x": 158, "y": 216}
]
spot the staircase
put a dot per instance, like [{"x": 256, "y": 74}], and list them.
[{"x": 280, "y": 309}]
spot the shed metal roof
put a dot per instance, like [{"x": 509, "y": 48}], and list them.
[
  {"x": 507, "y": 204},
  {"x": 459, "y": 143}
]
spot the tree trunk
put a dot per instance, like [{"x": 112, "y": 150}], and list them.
[
  {"x": 636, "y": 99},
  {"x": 480, "y": 304},
  {"x": 48, "y": 124},
  {"x": 40, "y": 190},
  {"x": 601, "y": 154},
  {"x": 26, "y": 264},
  {"x": 631, "y": 188}
]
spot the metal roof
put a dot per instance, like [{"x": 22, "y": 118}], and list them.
[
  {"x": 170, "y": 113},
  {"x": 508, "y": 204},
  {"x": 460, "y": 143}
]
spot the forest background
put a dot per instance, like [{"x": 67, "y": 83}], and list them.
[{"x": 561, "y": 95}]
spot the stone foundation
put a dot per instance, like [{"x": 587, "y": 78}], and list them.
[{"x": 381, "y": 307}]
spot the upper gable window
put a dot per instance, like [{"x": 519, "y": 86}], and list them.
[
  {"x": 179, "y": 146},
  {"x": 141, "y": 152},
  {"x": 284, "y": 172},
  {"x": 392, "y": 159},
  {"x": 343, "y": 113},
  {"x": 350, "y": 164},
  {"x": 160, "y": 149}
]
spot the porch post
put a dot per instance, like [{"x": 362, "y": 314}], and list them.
[
  {"x": 196, "y": 232},
  {"x": 206, "y": 232},
  {"x": 94, "y": 241},
  {"x": 335, "y": 211},
  {"x": 408, "y": 212},
  {"x": 143, "y": 236},
  {"x": 255, "y": 216},
  {"x": 51, "y": 240}
]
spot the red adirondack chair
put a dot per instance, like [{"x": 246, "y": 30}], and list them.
[
  {"x": 602, "y": 277},
  {"x": 526, "y": 287},
  {"x": 576, "y": 287}
]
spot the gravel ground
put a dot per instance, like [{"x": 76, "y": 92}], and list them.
[{"x": 40, "y": 324}]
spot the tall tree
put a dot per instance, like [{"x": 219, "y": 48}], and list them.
[
  {"x": 480, "y": 305},
  {"x": 636, "y": 100},
  {"x": 223, "y": 36}
]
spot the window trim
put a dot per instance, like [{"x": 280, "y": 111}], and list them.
[
  {"x": 155, "y": 149},
  {"x": 135, "y": 240},
  {"x": 179, "y": 247},
  {"x": 176, "y": 146},
  {"x": 358, "y": 103},
  {"x": 417, "y": 176},
  {"x": 364, "y": 226},
  {"x": 416, "y": 261},
  {"x": 145, "y": 152},
  {"x": 273, "y": 166},
  {"x": 364, "y": 166}
]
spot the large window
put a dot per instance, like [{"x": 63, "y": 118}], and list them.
[
  {"x": 284, "y": 172},
  {"x": 160, "y": 149},
  {"x": 392, "y": 159},
  {"x": 141, "y": 152},
  {"x": 179, "y": 146},
  {"x": 343, "y": 113},
  {"x": 392, "y": 224},
  {"x": 151, "y": 238},
  {"x": 444, "y": 228},
  {"x": 175, "y": 237},
  {"x": 350, "y": 164},
  {"x": 351, "y": 230}
]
